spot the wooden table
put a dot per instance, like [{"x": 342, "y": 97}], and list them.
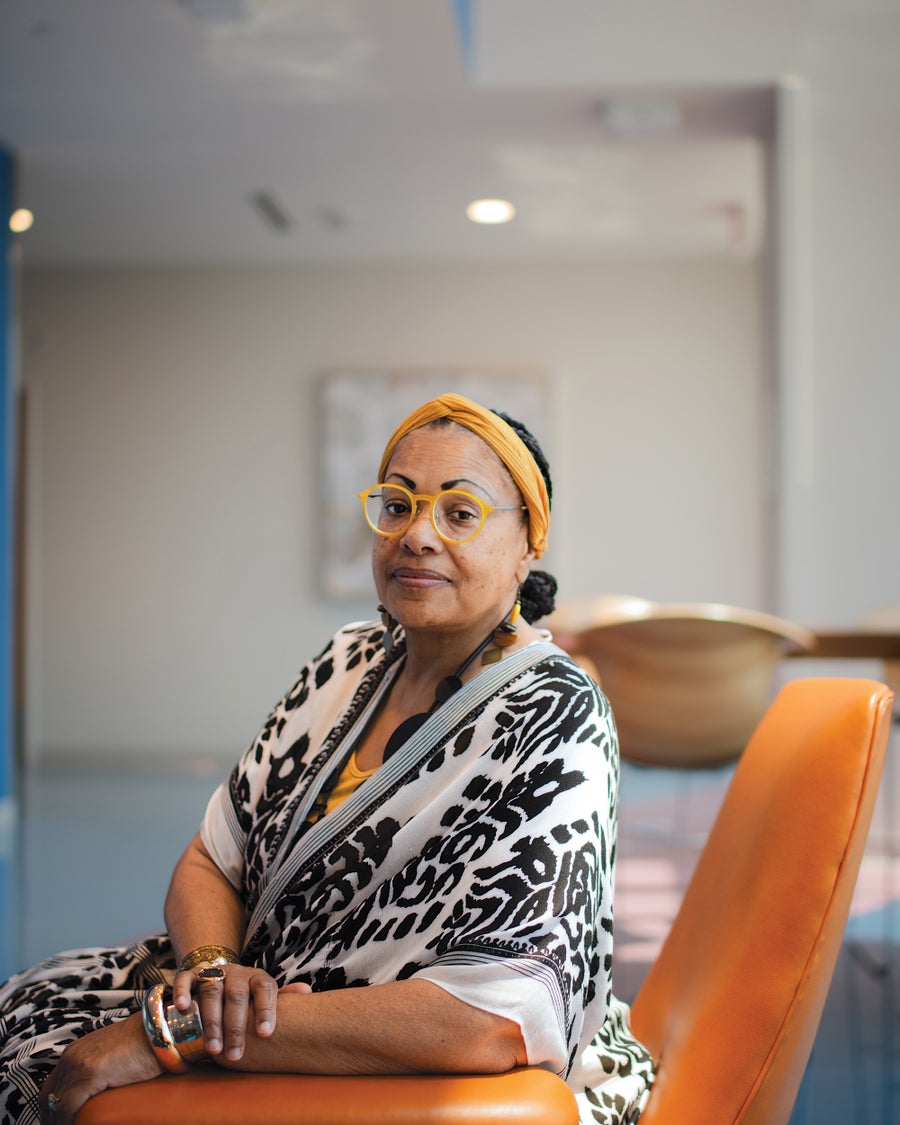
[{"x": 850, "y": 644}]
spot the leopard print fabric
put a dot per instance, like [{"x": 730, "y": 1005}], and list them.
[
  {"x": 46, "y": 1007},
  {"x": 480, "y": 857}
]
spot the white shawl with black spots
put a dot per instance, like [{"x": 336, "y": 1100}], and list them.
[{"x": 479, "y": 857}]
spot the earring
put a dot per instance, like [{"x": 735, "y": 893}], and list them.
[
  {"x": 387, "y": 639},
  {"x": 503, "y": 636}
]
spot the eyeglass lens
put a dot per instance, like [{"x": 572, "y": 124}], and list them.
[{"x": 456, "y": 515}]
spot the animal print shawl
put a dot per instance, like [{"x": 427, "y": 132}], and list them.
[{"x": 479, "y": 857}]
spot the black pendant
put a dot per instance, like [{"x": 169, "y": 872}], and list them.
[{"x": 447, "y": 687}]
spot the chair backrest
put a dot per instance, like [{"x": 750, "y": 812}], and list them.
[
  {"x": 731, "y": 1005},
  {"x": 887, "y": 620}
]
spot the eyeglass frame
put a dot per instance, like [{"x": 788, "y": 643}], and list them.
[{"x": 417, "y": 497}]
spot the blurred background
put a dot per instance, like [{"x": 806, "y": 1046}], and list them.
[{"x": 237, "y": 204}]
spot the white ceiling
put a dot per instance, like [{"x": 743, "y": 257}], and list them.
[{"x": 144, "y": 128}]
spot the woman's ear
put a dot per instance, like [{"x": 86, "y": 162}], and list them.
[{"x": 524, "y": 567}]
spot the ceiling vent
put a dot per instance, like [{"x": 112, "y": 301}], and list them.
[
  {"x": 219, "y": 12},
  {"x": 273, "y": 212},
  {"x": 642, "y": 116}
]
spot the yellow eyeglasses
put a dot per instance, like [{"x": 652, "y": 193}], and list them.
[{"x": 456, "y": 516}]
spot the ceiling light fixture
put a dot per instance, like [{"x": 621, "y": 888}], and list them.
[
  {"x": 21, "y": 220},
  {"x": 490, "y": 211}
]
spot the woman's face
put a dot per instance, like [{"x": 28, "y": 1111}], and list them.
[{"x": 427, "y": 583}]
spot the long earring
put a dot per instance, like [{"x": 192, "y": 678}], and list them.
[
  {"x": 387, "y": 640},
  {"x": 503, "y": 636}
]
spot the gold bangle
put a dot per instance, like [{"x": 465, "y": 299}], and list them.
[{"x": 214, "y": 954}]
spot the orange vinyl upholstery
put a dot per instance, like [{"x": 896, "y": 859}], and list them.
[
  {"x": 731, "y": 1006},
  {"x": 529, "y": 1096}
]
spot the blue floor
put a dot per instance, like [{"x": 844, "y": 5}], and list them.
[{"x": 96, "y": 843}]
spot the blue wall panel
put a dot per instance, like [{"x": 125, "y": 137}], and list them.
[
  {"x": 7, "y": 476},
  {"x": 462, "y": 14},
  {"x": 9, "y": 867}
]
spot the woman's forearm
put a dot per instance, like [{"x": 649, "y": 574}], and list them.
[
  {"x": 404, "y": 1027},
  {"x": 202, "y": 907},
  {"x": 398, "y": 1028}
]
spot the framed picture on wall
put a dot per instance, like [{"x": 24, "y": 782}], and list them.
[{"x": 358, "y": 411}]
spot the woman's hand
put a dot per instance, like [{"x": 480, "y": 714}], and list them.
[
  {"x": 115, "y": 1055},
  {"x": 225, "y": 1003}
]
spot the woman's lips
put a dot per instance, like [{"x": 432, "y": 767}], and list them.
[{"x": 409, "y": 576}]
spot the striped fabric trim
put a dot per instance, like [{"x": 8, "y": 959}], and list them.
[
  {"x": 537, "y": 966},
  {"x": 439, "y": 725}
]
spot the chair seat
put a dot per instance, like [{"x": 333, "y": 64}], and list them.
[{"x": 209, "y": 1096}]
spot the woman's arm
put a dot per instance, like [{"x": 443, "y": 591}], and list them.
[
  {"x": 203, "y": 908},
  {"x": 403, "y": 1027},
  {"x": 406, "y": 1027},
  {"x": 395, "y": 1028},
  {"x": 115, "y": 1055}
]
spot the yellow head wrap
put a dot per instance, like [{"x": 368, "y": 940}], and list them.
[{"x": 504, "y": 441}]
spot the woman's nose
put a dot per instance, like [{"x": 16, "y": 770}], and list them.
[{"x": 421, "y": 531}]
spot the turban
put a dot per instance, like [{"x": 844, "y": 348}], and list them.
[{"x": 504, "y": 441}]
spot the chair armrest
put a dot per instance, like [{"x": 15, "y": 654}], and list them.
[{"x": 525, "y": 1096}]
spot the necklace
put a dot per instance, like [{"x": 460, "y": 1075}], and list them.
[
  {"x": 447, "y": 688},
  {"x": 502, "y": 636}
]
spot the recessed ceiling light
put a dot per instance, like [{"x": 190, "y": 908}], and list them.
[
  {"x": 20, "y": 221},
  {"x": 490, "y": 211}
]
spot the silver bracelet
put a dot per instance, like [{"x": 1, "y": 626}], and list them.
[
  {"x": 158, "y": 1031},
  {"x": 187, "y": 1031}
]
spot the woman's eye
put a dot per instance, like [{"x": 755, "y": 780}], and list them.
[
  {"x": 395, "y": 507},
  {"x": 460, "y": 514}
]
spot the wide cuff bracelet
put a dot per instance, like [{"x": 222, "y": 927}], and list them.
[
  {"x": 160, "y": 1034},
  {"x": 186, "y": 1029}
]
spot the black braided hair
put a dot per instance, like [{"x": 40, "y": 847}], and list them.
[{"x": 538, "y": 591}]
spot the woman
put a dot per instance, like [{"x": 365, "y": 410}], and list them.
[{"x": 411, "y": 867}]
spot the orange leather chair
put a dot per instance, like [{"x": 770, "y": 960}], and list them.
[{"x": 731, "y": 1006}]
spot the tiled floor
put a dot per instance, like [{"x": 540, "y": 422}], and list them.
[{"x": 95, "y": 847}]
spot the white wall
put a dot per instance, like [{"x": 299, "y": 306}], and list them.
[
  {"x": 839, "y": 553},
  {"x": 172, "y": 462}
]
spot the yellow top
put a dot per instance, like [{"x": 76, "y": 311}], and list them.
[{"x": 351, "y": 778}]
